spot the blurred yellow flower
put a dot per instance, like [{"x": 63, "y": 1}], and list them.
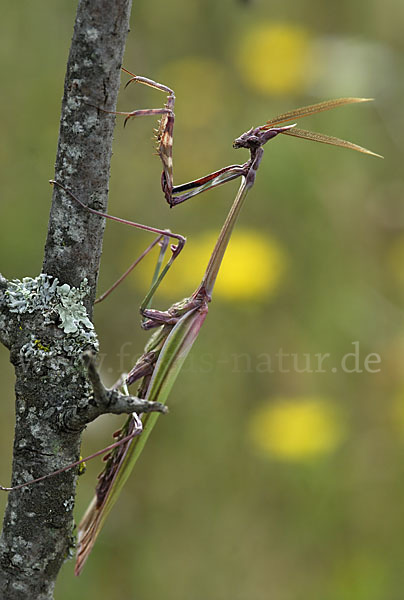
[
  {"x": 252, "y": 268},
  {"x": 296, "y": 429},
  {"x": 274, "y": 58}
]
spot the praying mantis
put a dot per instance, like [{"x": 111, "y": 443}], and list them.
[
  {"x": 255, "y": 136},
  {"x": 178, "y": 327}
]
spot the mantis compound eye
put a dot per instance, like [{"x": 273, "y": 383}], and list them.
[{"x": 241, "y": 142}]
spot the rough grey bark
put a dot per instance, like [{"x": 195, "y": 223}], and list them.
[
  {"x": 73, "y": 245},
  {"x": 44, "y": 321}
]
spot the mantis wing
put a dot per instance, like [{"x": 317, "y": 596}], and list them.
[
  {"x": 169, "y": 363},
  {"x": 327, "y": 139},
  {"x": 312, "y": 109}
]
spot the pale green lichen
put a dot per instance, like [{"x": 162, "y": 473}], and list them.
[
  {"x": 43, "y": 293},
  {"x": 61, "y": 303},
  {"x": 71, "y": 308}
]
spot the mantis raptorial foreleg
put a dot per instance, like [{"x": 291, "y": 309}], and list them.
[{"x": 164, "y": 134}]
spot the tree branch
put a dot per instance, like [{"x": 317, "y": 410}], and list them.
[
  {"x": 49, "y": 328},
  {"x": 73, "y": 245},
  {"x": 106, "y": 401}
]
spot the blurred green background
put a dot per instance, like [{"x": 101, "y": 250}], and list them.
[{"x": 271, "y": 477}]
